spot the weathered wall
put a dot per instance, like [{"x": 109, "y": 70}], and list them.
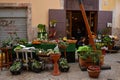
[
  {"x": 39, "y": 9},
  {"x": 116, "y": 21},
  {"x": 107, "y": 4}
]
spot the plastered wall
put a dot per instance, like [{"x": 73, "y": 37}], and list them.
[{"x": 39, "y": 9}]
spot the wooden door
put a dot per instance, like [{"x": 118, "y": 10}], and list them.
[
  {"x": 60, "y": 17},
  {"x": 104, "y": 17}
]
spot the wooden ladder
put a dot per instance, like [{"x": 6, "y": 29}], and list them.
[{"x": 91, "y": 41}]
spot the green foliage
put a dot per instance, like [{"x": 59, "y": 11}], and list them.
[
  {"x": 99, "y": 45},
  {"x": 16, "y": 66},
  {"x": 63, "y": 63},
  {"x": 84, "y": 49},
  {"x": 36, "y": 64},
  {"x": 41, "y": 27},
  {"x": 107, "y": 40},
  {"x": 95, "y": 55},
  {"x": 52, "y": 22},
  {"x": 85, "y": 52},
  {"x": 64, "y": 43}
]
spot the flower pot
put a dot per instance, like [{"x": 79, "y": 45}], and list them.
[
  {"x": 94, "y": 71},
  {"x": 16, "y": 72},
  {"x": 86, "y": 62},
  {"x": 16, "y": 68},
  {"x": 103, "y": 51},
  {"x": 55, "y": 58},
  {"x": 66, "y": 69},
  {"x": 34, "y": 68},
  {"x": 37, "y": 70}
]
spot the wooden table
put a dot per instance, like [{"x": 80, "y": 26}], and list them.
[{"x": 7, "y": 51}]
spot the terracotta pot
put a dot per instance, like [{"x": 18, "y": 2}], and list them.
[
  {"x": 103, "y": 51},
  {"x": 94, "y": 71},
  {"x": 55, "y": 58},
  {"x": 110, "y": 47},
  {"x": 86, "y": 62}
]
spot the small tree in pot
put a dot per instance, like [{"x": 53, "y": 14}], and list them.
[{"x": 94, "y": 70}]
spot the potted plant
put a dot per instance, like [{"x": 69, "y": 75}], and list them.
[
  {"x": 16, "y": 67},
  {"x": 62, "y": 44},
  {"x": 53, "y": 23},
  {"x": 63, "y": 65},
  {"x": 55, "y": 56},
  {"x": 84, "y": 56},
  {"x": 108, "y": 41},
  {"x": 35, "y": 65},
  {"x": 94, "y": 70}
]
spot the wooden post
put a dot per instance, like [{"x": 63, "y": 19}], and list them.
[{"x": 91, "y": 41}]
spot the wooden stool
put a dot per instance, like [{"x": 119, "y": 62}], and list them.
[{"x": 7, "y": 59}]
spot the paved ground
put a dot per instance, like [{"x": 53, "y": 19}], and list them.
[{"x": 74, "y": 73}]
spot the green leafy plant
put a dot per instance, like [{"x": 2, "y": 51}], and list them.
[
  {"x": 107, "y": 40},
  {"x": 63, "y": 44},
  {"x": 16, "y": 66},
  {"x": 41, "y": 28},
  {"x": 63, "y": 63},
  {"x": 53, "y": 23},
  {"x": 36, "y": 64},
  {"x": 84, "y": 51},
  {"x": 95, "y": 56}
]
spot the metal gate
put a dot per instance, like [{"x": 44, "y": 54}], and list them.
[{"x": 13, "y": 22}]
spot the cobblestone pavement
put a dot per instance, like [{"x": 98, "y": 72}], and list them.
[{"x": 75, "y": 73}]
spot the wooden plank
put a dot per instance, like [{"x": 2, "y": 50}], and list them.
[{"x": 91, "y": 41}]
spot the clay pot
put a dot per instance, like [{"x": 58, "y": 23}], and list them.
[
  {"x": 94, "y": 71},
  {"x": 55, "y": 58},
  {"x": 86, "y": 62}
]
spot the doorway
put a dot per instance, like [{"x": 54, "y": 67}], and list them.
[{"x": 75, "y": 21}]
